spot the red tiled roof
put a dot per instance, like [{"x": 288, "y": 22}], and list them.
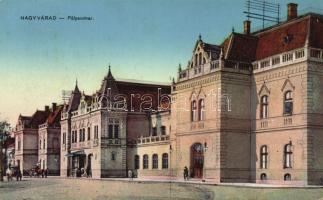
[
  {"x": 240, "y": 47},
  {"x": 128, "y": 88},
  {"x": 54, "y": 116},
  {"x": 271, "y": 42},
  {"x": 39, "y": 117}
]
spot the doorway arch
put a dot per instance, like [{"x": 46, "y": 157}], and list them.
[{"x": 197, "y": 160}]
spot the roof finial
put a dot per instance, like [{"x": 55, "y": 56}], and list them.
[
  {"x": 179, "y": 67},
  {"x": 200, "y": 37},
  {"x": 109, "y": 75},
  {"x": 76, "y": 89},
  {"x": 232, "y": 29}
]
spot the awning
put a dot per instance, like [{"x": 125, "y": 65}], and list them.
[{"x": 75, "y": 153}]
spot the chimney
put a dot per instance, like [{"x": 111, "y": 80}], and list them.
[
  {"x": 292, "y": 11},
  {"x": 54, "y": 106},
  {"x": 46, "y": 108},
  {"x": 246, "y": 27}
]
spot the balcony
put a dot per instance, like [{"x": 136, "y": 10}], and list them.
[
  {"x": 287, "y": 58},
  {"x": 110, "y": 141},
  {"x": 82, "y": 145},
  {"x": 152, "y": 139},
  {"x": 213, "y": 66}
]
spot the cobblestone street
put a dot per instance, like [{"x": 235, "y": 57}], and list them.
[{"x": 52, "y": 188}]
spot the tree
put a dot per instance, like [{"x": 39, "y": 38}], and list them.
[
  {"x": 4, "y": 132},
  {"x": 4, "y": 128}
]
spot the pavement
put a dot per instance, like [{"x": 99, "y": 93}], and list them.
[
  {"x": 56, "y": 188},
  {"x": 199, "y": 182}
]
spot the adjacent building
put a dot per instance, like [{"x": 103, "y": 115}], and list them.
[
  {"x": 99, "y": 132},
  {"x": 37, "y": 140}
]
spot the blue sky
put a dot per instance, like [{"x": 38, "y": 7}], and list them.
[{"x": 141, "y": 39}]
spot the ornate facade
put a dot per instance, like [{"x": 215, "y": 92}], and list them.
[
  {"x": 245, "y": 110},
  {"x": 254, "y": 101}
]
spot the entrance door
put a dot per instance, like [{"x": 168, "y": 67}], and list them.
[{"x": 197, "y": 160}]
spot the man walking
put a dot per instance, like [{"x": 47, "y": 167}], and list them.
[{"x": 185, "y": 173}]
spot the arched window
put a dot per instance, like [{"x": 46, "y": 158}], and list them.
[
  {"x": 263, "y": 176},
  {"x": 145, "y": 162},
  {"x": 263, "y": 157},
  {"x": 137, "y": 162},
  {"x": 165, "y": 161},
  {"x": 155, "y": 161},
  {"x": 193, "y": 111},
  {"x": 201, "y": 109},
  {"x": 287, "y": 177},
  {"x": 288, "y": 103},
  {"x": 264, "y": 107},
  {"x": 288, "y": 155}
]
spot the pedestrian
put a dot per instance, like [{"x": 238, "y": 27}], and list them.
[
  {"x": 18, "y": 175},
  {"x": 185, "y": 173},
  {"x": 88, "y": 172},
  {"x": 46, "y": 172},
  {"x": 9, "y": 174},
  {"x": 42, "y": 173},
  {"x": 130, "y": 175}
]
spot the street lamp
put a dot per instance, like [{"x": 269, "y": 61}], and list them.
[
  {"x": 204, "y": 169},
  {"x": 170, "y": 171}
]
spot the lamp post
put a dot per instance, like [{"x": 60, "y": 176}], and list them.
[{"x": 204, "y": 169}]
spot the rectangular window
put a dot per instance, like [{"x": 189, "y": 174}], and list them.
[
  {"x": 264, "y": 63},
  {"x": 275, "y": 60},
  {"x": 288, "y": 108},
  {"x": 315, "y": 53},
  {"x": 44, "y": 144},
  {"x": 96, "y": 132},
  {"x": 163, "y": 130},
  {"x": 80, "y": 135},
  {"x": 255, "y": 66},
  {"x": 154, "y": 131},
  {"x": 64, "y": 138},
  {"x": 299, "y": 54},
  {"x": 116, "y": 131},
  {"x": 110, "y": 134},
  {"x": 75, "y": 136},
  {"x": 287, "y": 57},
  {"x": 88, "y": 133}
]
